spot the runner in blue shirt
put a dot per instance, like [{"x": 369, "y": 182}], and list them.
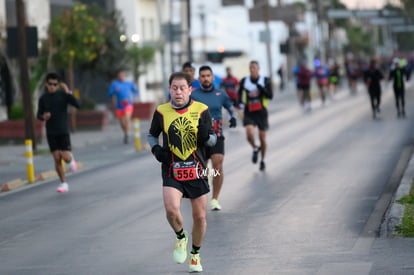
[
  {"x": 122, "y": 91},
  {"x": 215, "y": 100}
]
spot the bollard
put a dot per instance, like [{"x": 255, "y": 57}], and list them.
[
  {"x": 29, "y": 159},
  {"x": 137, "y": 135}
]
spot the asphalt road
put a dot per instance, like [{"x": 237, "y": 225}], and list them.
[{"x": 314, "y": 210}]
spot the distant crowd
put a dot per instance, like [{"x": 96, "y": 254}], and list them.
[{"x": 398, "y": 69}]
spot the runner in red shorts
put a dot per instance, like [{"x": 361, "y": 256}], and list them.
[{"x": 122, "y": 92}]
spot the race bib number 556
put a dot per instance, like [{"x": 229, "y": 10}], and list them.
[{"x": 185, "y": 170}]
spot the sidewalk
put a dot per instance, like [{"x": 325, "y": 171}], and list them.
[{"x": 86, "y": 144}]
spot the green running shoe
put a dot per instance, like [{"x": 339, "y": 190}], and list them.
[
  {"x": 194, "y": 264},
  {"x": 180, "y": 250},
  {"x": 214, "y": 204}
]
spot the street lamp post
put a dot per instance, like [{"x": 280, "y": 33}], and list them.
[
  {"x": 189, "y": 41},
  {"x": 24, "y": 74},
  {"x": 203, "y": 32},
  {"x": 266, "y": 18}
]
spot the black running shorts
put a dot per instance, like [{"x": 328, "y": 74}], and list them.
[
  {"x": 216, "y": 149},
  {"x": 258, "y": 119},
  {"x": 191, "y": 189},
  {"x": 59, "y": 142}
]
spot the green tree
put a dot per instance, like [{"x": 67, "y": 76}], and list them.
[
  {"x": 359, "y": 41},
  {"x": 339, "y": 22},
  {"x": 113, "y": 54},
  {"x": 76, "y": 38},
  {"x": 139, "y": 58}
]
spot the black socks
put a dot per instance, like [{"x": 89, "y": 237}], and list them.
[
  {"x": 195, "y": 250},
  {"x": 180, "y": 234}
]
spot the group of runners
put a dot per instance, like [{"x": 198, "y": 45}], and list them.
[
  {"x": 327, "y": 80},
  {"x": 399, "y": 73},
  {"x": 191, "y": 126}
]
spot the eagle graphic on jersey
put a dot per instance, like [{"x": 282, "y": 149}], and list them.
[{"x": 182, "y": 137}]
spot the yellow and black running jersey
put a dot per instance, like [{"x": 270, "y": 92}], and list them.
[{"x": 180, "y": 127}]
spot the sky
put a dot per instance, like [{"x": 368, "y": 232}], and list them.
[{"x": 366, "y": 4}]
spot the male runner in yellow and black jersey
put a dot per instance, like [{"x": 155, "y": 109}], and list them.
[
  {"x": 254, "y": 92},
  {"x": 186, "y": 128}
]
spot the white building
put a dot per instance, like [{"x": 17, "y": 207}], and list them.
[
  {"x": 227, "y": 29},
  {"x": 143, "y": 20}
]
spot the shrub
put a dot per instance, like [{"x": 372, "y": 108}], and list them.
[
  {"x": 16, "y": 112},
  {"x": 87, "y": 103}
]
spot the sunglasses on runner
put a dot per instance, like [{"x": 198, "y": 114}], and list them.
[{"x": 52, "y": 83}]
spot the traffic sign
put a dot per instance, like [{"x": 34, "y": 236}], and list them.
[
  {"x": 172, "y": 32},
  {"x": 265, "y": 36},
  {"x": 403, "y": 28},
  {"x": 386, "y": 21},
  {"x": 233, "y": 2},
  {"x": 366, "y": 13},
  {"x": 287, "y": 13},
  {"x": 342, "y": 13}
]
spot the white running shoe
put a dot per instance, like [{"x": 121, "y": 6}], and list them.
[
  {"x": 73, "y": 165},
  {"x": 63, "y": 187}
]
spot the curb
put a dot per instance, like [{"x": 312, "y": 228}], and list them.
[
  {"x": 46, "y": 175},
  {"x": 18, "y": 183},
  {"x": 395, "y": 212},
  {"x": 13, "y": 184}
]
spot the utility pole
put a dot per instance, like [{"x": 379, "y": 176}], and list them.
[
  {"x": 266, "y": 19},
  {"x": 162, "y": 51},
  {"x": 171, "y": 30},
  {"x": 24, "y": 74},
  {"x": 320, "y": 20},
  {"x": 189, "y": 40},
  {"x": 203, "y": 32}
]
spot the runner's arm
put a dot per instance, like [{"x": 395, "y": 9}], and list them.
[
  {"x": 112, "y": 95},
  {"x": 267, "y": 89},
  {"x": 72, "y": 101},
  {"x": 155, "y": 129},
  {"x": 240, "y": 92},
  {"x": 228, "y": 105},
  {"x": 406, "y": 73},
  {"x": 40, "y": 109},
  {"x": 134, "y": 90},
  {"x": 206, "y": 119}
]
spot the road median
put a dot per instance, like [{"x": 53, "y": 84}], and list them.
[{"x": 18, "y": 183}]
